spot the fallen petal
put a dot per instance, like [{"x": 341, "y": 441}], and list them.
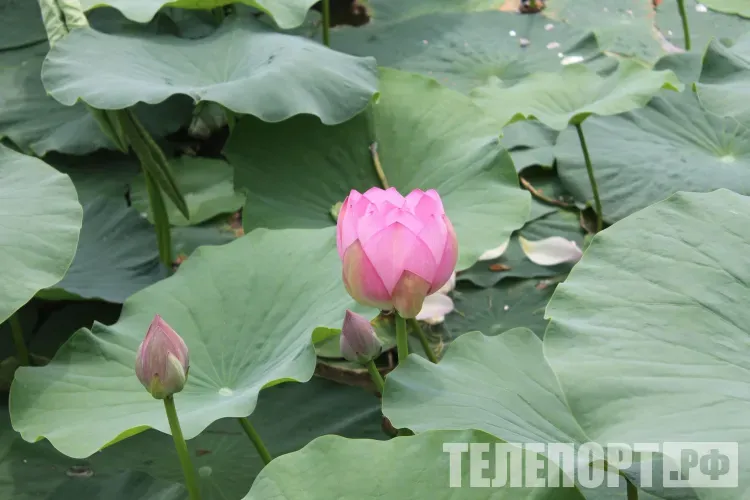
[
  {"x": 551, "y": 251},
  {"x": 435, "y": 308},
  {"x": 494, "y": 253}
]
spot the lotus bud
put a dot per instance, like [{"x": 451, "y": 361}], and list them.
[
  {"x": 359, "y": 343},
  {"x": 162, "y": 362},
  {"x": 395, "y": 250}
]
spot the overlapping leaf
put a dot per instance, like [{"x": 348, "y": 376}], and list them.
[
  {"x": 646, "y": 155},
  {"x": 426, "y": 136},
  {"x": 286, "y": 13},
  {"x": 261, "y": 72},
  {"x": 246, "y": 311},
  {"x": 40, "y": 219},
  {"x": 571, "y": 96},
  {"x": 724, "y": 84}
]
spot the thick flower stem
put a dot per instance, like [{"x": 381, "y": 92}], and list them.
[
  {"x": 376, "y": 377},
  {"x": 423, "y": 340},
  {"x": 255, "y": 438},
  {"x": 592, "y": 179},
  {"x": 21, "y": 350},
  {"x": 402, "y": 339},
  {"x": 327, "y": 23},
  {"x": 191, "y": 480},
  {"x": 685, "y": 27},
  {"x": 378, "y": 166}
]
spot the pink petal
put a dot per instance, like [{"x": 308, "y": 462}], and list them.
[
  {"x": 406, "y": 218},
  {"x": 396, "y": 249},
  {"x": 435, "y": 196},
  {"x": 354, "y": 207},
  {"x": 362, "y": 281},
  {"x": 434, "y": 234},
  {"x": 409, "y": 294},
  {"x": 370, "y": 224},
  {"x": 447, "y": 263},
  {"x": 412, "y": 199},
  {"x": 428, "y": 206},
  {"x": 379, "y": 196}
]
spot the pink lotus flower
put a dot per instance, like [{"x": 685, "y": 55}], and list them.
[
  {"x": 162, "y": 361},
  {"x": 395, "y": 250}
]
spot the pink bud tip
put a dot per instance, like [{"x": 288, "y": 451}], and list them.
[
  {"x": 162, "y": 362},
  {"x": 359, "y": 343},
  {"x": 395, "y": 250}
]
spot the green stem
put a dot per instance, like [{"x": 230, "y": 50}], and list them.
[
  {"x": 376, "y": 377},
  {"x": 255, "y": 438},
  {"x": 21, "y": 350},
  {"x": 423, "y": 340},
  {"x": 161, "y": 220},
  {"x": 592, "y": 179},
  {"x": 402, "y": 340},
  {"x": 378, "y": 167},
  {"x": 685, "y": 27},
  {"x": 191, "y": 480},
  {"x": 327, "y": 23}
]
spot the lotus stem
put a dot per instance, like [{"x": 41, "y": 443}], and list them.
[
  {"x": 161, "y": 220},
  {"x": 423, "y": 340},
  {"x": 685, "y": 27},
  {"x": 191, "y": 480},
  {"x": 376, "y": 377},
  {"x": 592, "y": 179},
  {"x": 402, "y": 339},
  {"x": 255, "y": 438},
  {"x": 21, "y": 350},
  {"x": 378, "y": 166},
  {"x": 327, "y": 23}
]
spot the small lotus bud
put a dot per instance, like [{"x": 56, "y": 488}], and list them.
[
  {"x": 359, "y": 343},
  {"x": 162, "y": 361}
]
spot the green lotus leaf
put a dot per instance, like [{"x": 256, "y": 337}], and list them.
[
  {"x": 423, "y": 471},
  {"x": 724, "y": 84},
  {"x": 286, "y": 13},
  {"x": 40, "y": 220},
  {"x": 426, "y": 136},
  {"x": 206, "y": 183},
  {"x": 246, "y": 311},
  {"x": 644, "y": 156},
  {"x": 262, "y": 72},
  {"x": 739, "y": 7},
  {"x": 466, "y": 50},
  {"x": 116, "y": 256},
  {"x": 569, "y": 97}
]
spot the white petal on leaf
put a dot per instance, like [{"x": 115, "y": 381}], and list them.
[
  {"x": 494, "y": 253},
  {"x": 434, "y": 309},
  {"x": 551, "y": 251}
]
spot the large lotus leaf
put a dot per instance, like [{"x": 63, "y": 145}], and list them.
[
  {"x": 646, "y": 155},
  {"x": 501, "y": 385},
  {"x": 529, "y": 143},
  {"x": 724, "y": 84},
  {"x": 40, "y": 219},
  {"x": 403, "y": 468},
  {"x": 465, "y": 50},
  {"x": 261, "y": 72},
  {"x": 117, "y": 254},
  {"x": 648, "y": 335},
  {"x": 36, "y": 122},
  {"x": 224, "y": 458},
  {"x": 207, "y": 185},
  {"x": 504, "y": 375},
  {"x": 20, "y": 24},
  {"x": 390, "y": 11},
  {"x": 286, "y": 13},
  {"x": 427, "y": 136},
  {"x": 246, "y": 311},
  {"x": 569, "y": 97},
  {"x": 740, "y": 7},
  {"x": 704, "y": 24}
]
